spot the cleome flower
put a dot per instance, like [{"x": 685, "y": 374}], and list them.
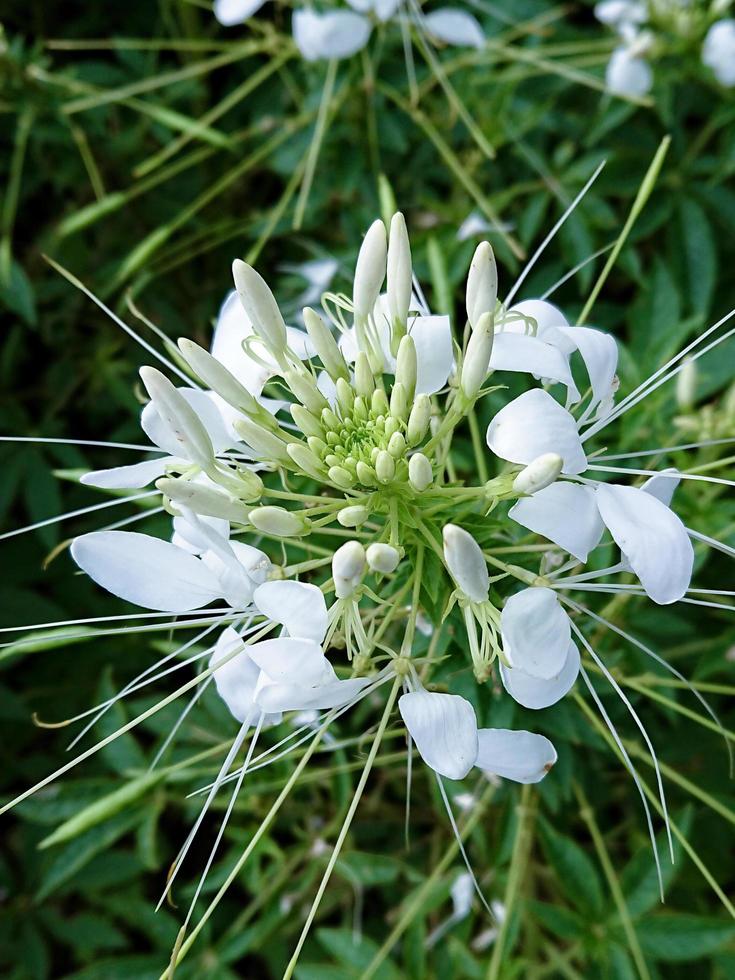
[
  {"x": 324, "y": 454},
  {"x": 650, "y": 29}
]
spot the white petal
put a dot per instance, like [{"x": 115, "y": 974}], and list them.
[
  {"x": 161, "y": 435},
  {"x": 255, "y": 562},
  {"x": 296, "y": 605},
  {"x": 335, "y": 34},
  {"x": 718, "y": 51},
  {"x": 565, "y": 513},
  {"x": 434, "y": 357},
  {"x": 536, "y": 632},
  {"x": 382, "y": 9},
  {"x": 231, "y": 12},
  {"x": 325, "y": 383},
  {"x": 546, "y": 315},
  {"x": 444, "y": 728},
  {"x": 600, "y": 355},
  {"x": 234, "y": 327},
  {"x": 185, "y": 534},
  {"x": 290, "y": 660},
  {"x": 293, "y": 697},
  {"x": 652, "y": 538},
  {"x": 533, "y": 424},
  {"x": 235, "y": 585},
  {"x": 454, "y": 27},
  {"x": 627, "y": 75},
  {"x": 662, "y": 487},
  {"x": 519, "y": 352},
  {"x": 236, "y": 679},
  {"x": 466, "y": 563},
  {"x": 127, "y": 477},
  {"x": 533, "y": 692},
  {"x": 144, "y": 570},
  {"x": 520, "y": 756}
]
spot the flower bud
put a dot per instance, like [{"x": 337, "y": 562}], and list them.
[
  {"x": 540, "y": 473},
  {"x": 406, "y": 365},
  {"x": 686, "y": 385},
  {"x": 306, "y": 460},
  {"x": 366, "y": 474},
  {"x": 370, "y": 270},
  {"x": 364, "y": 380},
  {"x": 379, "y": 402},
  {"x": 397, "y": 445},
  {"x": 261, "y": 307},
  {"x": 204, "y": 500},
  {"x": 279, "y": 522},
  {"x": 216, "y": 376},
  {"x": 398, "y": 401},
  {"x": 179, "y": 417},
  {"x": 342, "y": 477},
  {"x": 306, "y": 422},
  {"x": 467, "y": 566},
  {"x": 353, "y": 516},
  {"x": 266, "y": 445},
  {"x": 348, "y": 568},
  {"x": 382, "y": 558},
  {"x": 345, "y": 396},
  {"x": 420, "y": 474},
  {"x": 303, "y": 386},
  {"x": 476, "y": 362},
  {"x": 418, "y": 420},
  {"x": 482, "y": 284},
  {"x": 385, "y": 467},
  {"x": 399, "y": 270},
  {"x": 325, "y": 345}
]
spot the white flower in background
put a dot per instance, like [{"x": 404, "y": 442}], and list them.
[
  {"x": 337, "y": 34},
  {"x": 628, "y": 75},
  {"x": 718, "y": 51}
]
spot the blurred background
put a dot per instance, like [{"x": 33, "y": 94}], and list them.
[{"x": 143, "y": 146}]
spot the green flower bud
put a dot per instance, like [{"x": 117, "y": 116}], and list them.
[
  {"x": 180, "y": 417},
  {"x": 379, "y": 402},
  {"x": 406, "y": 366},
  {"x": 348, "y": 568},
  {"x": 399, "y": 271},
  {"x": 216, "y": 376},
  {"x": 476, "y": 362},
  {"x": 370, "y": 269},
  {"x": 418, "y": 420},
  {"x": 364, "y": 379},
  {"x": 398, "y": 401},
  {"x": 342, "y": 477},
  {"x": 266, "y": 445},
  {"x": 397, "y": 445},
  {"x": 262, "y": 309},
  {"x": 305, "y": 459},
  {"x": 317, "y": 446},
  {"x": 366, "y": 474},
  {"x": 382, "y": 558},
  {"x": 420, "y": 474},
  {"x": 204, "y": 500},
  {"x": 345, "y": 396},
  {"x": 482, "y": 284},
  {"x": 280, "y": 522},
  {"x": 539, "y": 473},
  {"x": 304, "y": 387},
  {"x": 325, "y": 345},
  {"x": 353, "y": 516},
  {"x": 385, "y": 467},
  {"x": 307, "y": 423}
]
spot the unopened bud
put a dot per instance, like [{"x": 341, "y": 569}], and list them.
[
  {"x": 399, "y": 271},
  {"x": 307, "y": 423},
  {"x": 370, "y": 270},
  {"x": 482, "y": 284},
  {"x": 418, "y": 420},
  {"x": 306, "y": 460},
  {"x": 304, "y": 388},
  {"x": 540, "y": 473},
  {"x": 279, "y": 522},
  {"x": 464, "y": 559},
  {"x": 364, "y": 379},
  {"x": 406, "y": 365},
  {"x": 476, "y": 362},
  {"x": 353, "y": 516},
  {"x": 385, "y": 467},
  {"x": 366, "y": 474},
  {"x": 345, "y": 396},
  {"x": 325, "y": 345},
  {"x": 420, "y": 474},
  {"x": 183, "y": 422},
  {"x": 217, "y": 377},
  {"x": 204, "y": 500},
  {"x": 397, "y": 445},
  {"x": 686, "y": 385},
  {"x": 348, "y": 568},
  {"x": 379, "y": 402},
  {"x": 260, "y": 305},
  {"x": 398, "y": 401},
  {"x": 266, "y": 445},
  {"x": 342, "y": 477},
  {"x": 382, "y": 558}
]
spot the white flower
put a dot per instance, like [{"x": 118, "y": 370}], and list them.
[
  {"x": 334, "y": 34},
  {"x": 456, "y": 27},
  {"x": 444, "y": 728},
  {"x": 718, "y": 51},
  {"x": 231, "y": 12},
  {"x": 628, "y": 75}
]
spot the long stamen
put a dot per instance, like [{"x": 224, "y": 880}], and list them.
[{"x": 78, "y": 513}]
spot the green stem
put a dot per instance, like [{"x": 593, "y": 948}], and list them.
[
  {"x": 316, "y": 143},
  {"x": 478, "y": 446}
]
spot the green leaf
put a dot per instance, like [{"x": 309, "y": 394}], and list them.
[
  {"x": 16, "y": 292},
  {"x": 700, "y": 256},
  {"x": 355, "y": 955},
  {"x": 674, "y": 938},
  {"x": 576, "y": 872}
]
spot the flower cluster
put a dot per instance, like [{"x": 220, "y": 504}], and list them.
[
  {"x": 340, "y": 33},
  {"x": 335, "y": 441},
  {"x": 648, "y": 28}
]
